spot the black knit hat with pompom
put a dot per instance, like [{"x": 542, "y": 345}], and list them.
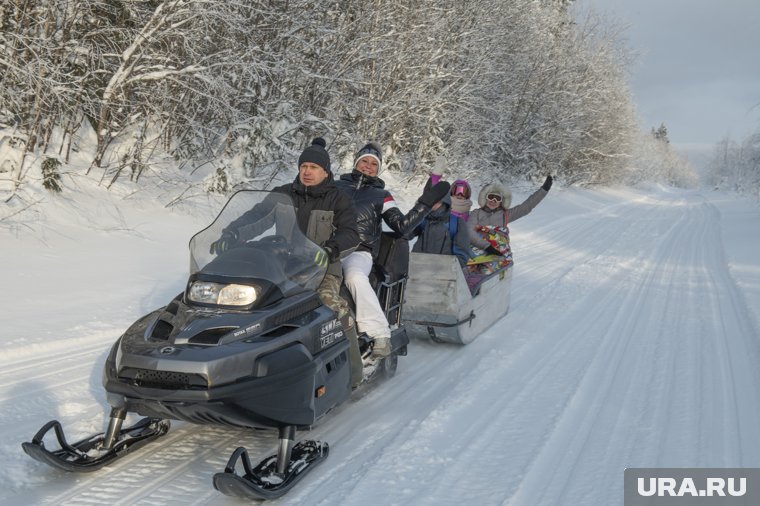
[{"x": 316, "y": 153}]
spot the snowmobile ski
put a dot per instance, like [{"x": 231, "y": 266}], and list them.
[
  {"x": 88, "y": 454},
  {"x": 263, "y": 481}
]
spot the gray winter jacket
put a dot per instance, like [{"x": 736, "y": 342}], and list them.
[{"x": 501, "y": 216}]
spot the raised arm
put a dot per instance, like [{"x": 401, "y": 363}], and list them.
[
  {"x": 527, "y": 206},
  {"x": 405, "y": 224}
]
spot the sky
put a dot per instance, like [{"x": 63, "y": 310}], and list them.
[
  {"x": 630, "y": 342},
  {"x": 698, "y": 69}
]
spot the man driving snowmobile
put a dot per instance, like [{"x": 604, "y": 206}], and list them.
[{"x": 325, "y": 216}]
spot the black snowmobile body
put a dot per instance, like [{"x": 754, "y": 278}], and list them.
[
  {"x": 247, "y": 344},
  {"x": 263, "y": 369},
  {"x": 279, "y": 360}
]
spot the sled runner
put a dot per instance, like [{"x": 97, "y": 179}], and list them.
[{"x": 439, "y": 304}]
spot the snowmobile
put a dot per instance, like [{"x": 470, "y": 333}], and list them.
[{"x": 248, "y": 343}]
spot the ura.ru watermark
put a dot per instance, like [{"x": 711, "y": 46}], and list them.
[{"x": 692, "y": 486}]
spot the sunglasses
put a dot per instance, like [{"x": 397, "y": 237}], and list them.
[
  {"x": 460, "y": 189},
  {"x": 494, "y": 196}
]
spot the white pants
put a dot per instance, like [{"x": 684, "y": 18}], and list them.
[{"x": 369, "y": 315}]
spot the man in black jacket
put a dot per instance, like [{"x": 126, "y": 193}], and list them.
[
  {"x": 375, "y": 205},
  {"x": 326, "y": 216}
]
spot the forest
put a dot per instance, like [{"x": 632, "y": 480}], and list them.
[{"x": 233, "y": 91}]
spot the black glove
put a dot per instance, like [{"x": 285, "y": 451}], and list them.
[
  {"x": 493, "y": 251},
  {"x": 332, "y": 252},
  {"x": 548, "y": 183},
  {"x": 228, "y": 239},
  {"x": 435, "y": 193}
]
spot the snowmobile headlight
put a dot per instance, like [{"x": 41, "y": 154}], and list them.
[
  {"x": 206, "y": 292},
  {"x": 237, "y": 295}
]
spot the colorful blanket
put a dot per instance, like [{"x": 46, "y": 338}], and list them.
[{"x": 483, "y": 264}]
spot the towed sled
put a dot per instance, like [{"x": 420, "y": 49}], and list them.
[
  {"x": 248, "y": 343},
  {"x": 440, "y": 305}
]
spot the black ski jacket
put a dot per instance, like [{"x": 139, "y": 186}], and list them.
[
  {"x": 374, "y": 204},
  {"x": 324, "y": 215}
]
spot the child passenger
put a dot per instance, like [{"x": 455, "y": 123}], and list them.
[
  {"x": 443, "y": 233},
  {"x": 460, "y": 199}
]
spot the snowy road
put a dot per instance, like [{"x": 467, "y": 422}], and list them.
[{"x": 632, "y": 341}]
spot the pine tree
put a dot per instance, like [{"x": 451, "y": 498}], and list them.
[{"x": 661, "y": 134}]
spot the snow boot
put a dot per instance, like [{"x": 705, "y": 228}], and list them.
[{"x": 381, "y": 347}]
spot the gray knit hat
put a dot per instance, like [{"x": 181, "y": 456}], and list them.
[{"x": 372, "y": 150}]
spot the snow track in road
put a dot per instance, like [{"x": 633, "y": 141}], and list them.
[
  {"x": 629, "y": 344},
  {"x": 649, "y": 371}
]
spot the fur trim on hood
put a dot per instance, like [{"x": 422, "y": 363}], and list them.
[{"x": 498, "y": 188}]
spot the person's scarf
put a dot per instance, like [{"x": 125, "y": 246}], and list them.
[{"x": 461, "y": 208}]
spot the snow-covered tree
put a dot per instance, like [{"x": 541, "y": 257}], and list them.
[
  {"x": 508, "y": 89},
  {"x": 736, "y": 165}
]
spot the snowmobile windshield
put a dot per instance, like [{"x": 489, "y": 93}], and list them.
[{"x": 256, "y": 238}]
